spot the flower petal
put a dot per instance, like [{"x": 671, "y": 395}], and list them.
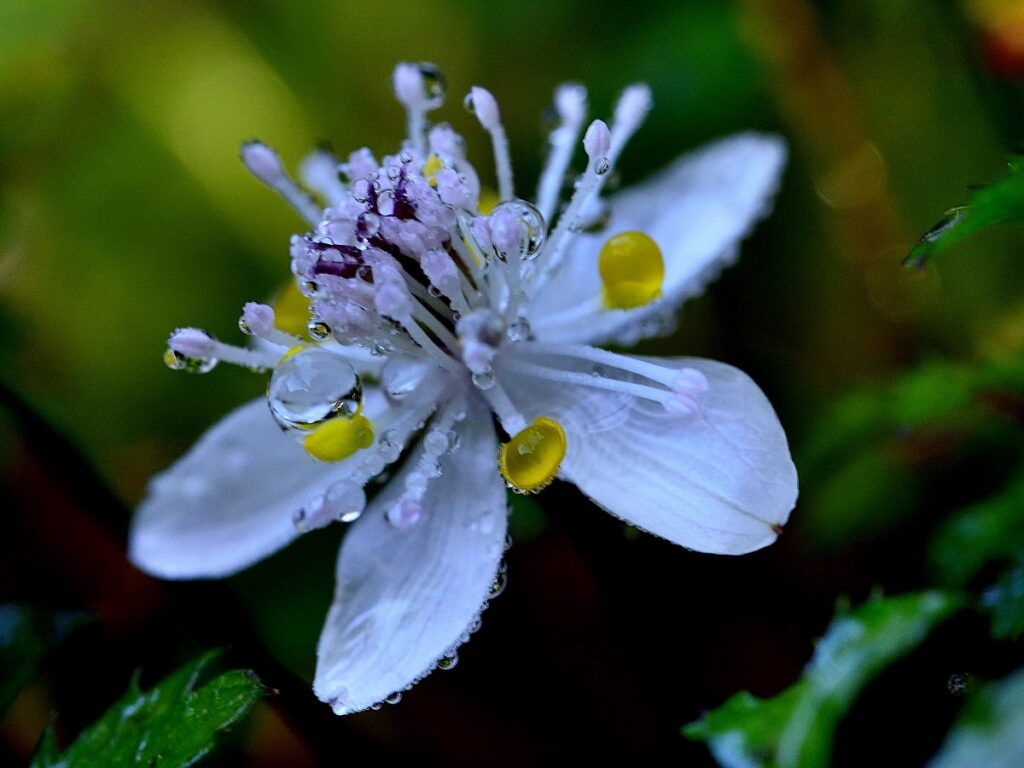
[
  {"x": 408, "y": 595},
  {"x": 697, "y": 211},
  {"x": 229, "y": 501},
  {"x": 720, "y": 480}
]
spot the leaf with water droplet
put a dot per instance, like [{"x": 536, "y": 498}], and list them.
[
  {"x": 796, "y": 727},
  {"x": 171, "y": 725},
  {"x": 1002, "y": 200}
]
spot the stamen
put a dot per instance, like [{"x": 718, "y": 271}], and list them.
[
  {"x": 419, "y": 88},
  {"x": 571, "y": 104},
  {"x": 481, "y": 103},
  {"x": 632, "y": 270},
  {"x": 596, "y": 142},
  {"x": 193, "y": 349},
  {"x": 630, "y": 112},
  {"x": 530, "y": 460},
  {"x": 265, "y": 165},
  {"x": 319, "y": 171},
  {"x": 258, "y": 320}
]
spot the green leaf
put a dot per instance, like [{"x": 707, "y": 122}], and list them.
[
  {"x": 990, "y": 530},
  {"x": 170, "y": 726},
  {"x": 796, "y": 727},
  {"x": 990, "y": 731},
  {"x": 26, "y": 635},
  {"x": 1005, "y": 601},
  {"x": 1001, "y": 201}
]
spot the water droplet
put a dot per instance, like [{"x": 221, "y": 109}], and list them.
[
  {"x": 434, "y": 85},
  {"x": 405, "y": 513},
  {"x": 484, "y": 379},
  {"x": 602, "y": 166},
  {"x": 952, "y": 218},
  {"x": 436, "y": 443},
  {"x": 389, "y": 445},
  {"x": 310, "y": 287},
  {"x": 447, "y": 662},
  {"x": 345, "y": 501},
  {"x": 500, "y": 582},
  {"x": 467, "y": 102},
  {"x": 367, "y": 225},
  {"x": 179, "y": 362},
  {"x": 244, "y": 327},
  {"x": 376, "y": 706},
  {"x": 319, "y": 330},
  {"x": 312, "y": 386},
  {"x": 534, "y": 228},
  {"x": 518, "y": 330},
  {"x": 405, "y": 156},
  {"x": 434, "y": 291},
  {"x": 394, "y": 698},
  {"x": 394, "y": 171}
]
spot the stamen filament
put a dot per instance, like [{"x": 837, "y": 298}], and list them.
[
  {"x": 571, "y": 103},
  {"x": 653, "y": 394},
  {"x": 651, "y": 371}
]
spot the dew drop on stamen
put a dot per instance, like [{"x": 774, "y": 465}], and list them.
[
  {"x": 534, "y": 228},
  {"x": 367, "y": 225},
  {"x": 312, "y": 386},
  {"x": 602, "y": 166},
  {"x": 176, "y": 361},
  {"x": 518, "y": 330},
  {"x": 389, "y": 445},
  {"x": 436, "y": 442},
  {"x": 484, "y": 379},
  {"x": 434, "y": 86},
  {"x": 244, "y": 327}
]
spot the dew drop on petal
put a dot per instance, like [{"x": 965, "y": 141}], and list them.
[
  {"x": 447, "y": 662},
  {"x": 312, "y": 386}
]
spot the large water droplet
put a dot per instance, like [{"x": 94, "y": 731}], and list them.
[
  {"x": 312, "y": 386},
  {"x": 535, "y": 229}
]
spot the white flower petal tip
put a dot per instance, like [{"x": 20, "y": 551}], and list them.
[
  {"x": 411, "y": 591},
  {"x": 716, "y": 476},
  {"x": 697, "y": 211}
]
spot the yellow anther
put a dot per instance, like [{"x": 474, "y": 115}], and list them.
[
  {"x": 530, "y": 460},
  {"x": 632, "y": 270},
  {"x": 488, "y": 200},
  {"x": 339, "y": 438},
  {"x": 431, "y": 167},
  {"x": 291, "y": 310}
]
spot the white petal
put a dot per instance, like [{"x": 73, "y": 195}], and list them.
[
  {"x": 407, "y": 595},
  {"x": 719, "y": 481},
  {"x": 229, "y": 501},
  {"x": 697, "y": 210}
]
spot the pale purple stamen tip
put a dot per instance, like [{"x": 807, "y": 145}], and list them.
[
  {"x": 597, "y": 141},
  {"x": 191, "y": 342},
  {"x": 262, "y": 162},
  {"x": 405, "y": 513},
  {"x": 484, "y": 107},
  {"x": 258, "y": 318}
]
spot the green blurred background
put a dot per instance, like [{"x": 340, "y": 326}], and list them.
[{"x": 124, "y": 213}]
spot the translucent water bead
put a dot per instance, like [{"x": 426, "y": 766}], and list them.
[{"x": 311, "y": 386}]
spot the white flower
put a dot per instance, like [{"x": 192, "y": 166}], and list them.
[{"x": 431, "y": 316}]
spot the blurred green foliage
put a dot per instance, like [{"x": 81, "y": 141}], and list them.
[
  {"x": 990, "y": 731},
  {"x": 795, "y": 729}
]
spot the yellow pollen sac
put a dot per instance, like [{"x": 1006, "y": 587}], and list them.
[
  {"x": 291, "y": 310},
  {"x": 530, "y": 460},
  {"x": 431, "y": 167},
  {"x": 488, "y": 200},
  {"x": 632, "y": 270},
  {"x": 339, "y": 438}
]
